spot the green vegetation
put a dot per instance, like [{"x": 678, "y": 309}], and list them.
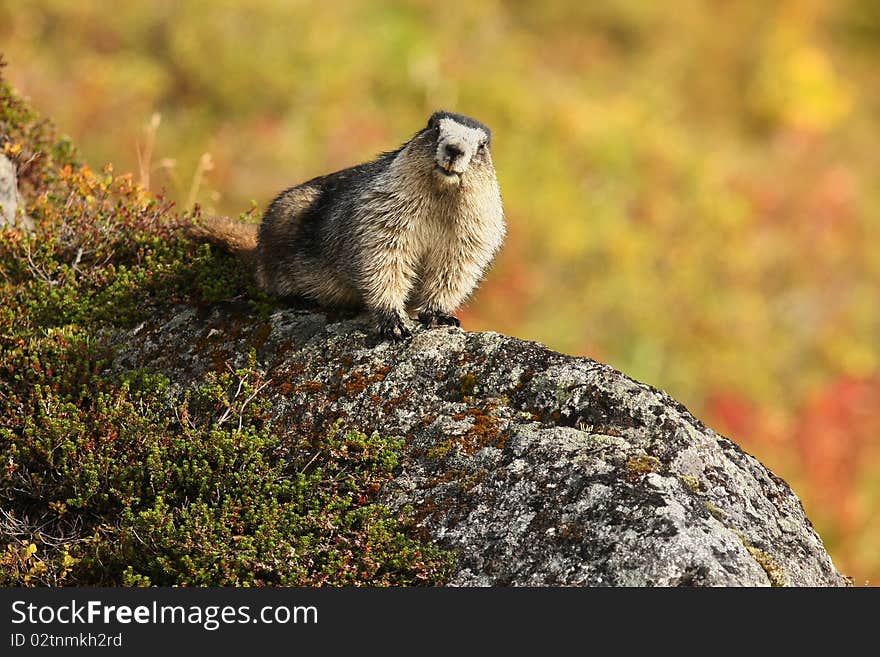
[
  {"x": 122, "y": 478},
  {"x": 642, "y": 464},
  {"x": 692, "y": 187}
]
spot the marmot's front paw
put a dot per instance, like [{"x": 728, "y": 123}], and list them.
[
  {"x": 393, "y": 329},
  {"x": 434, "y": 318}
]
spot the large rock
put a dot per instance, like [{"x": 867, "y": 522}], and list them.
[{"x": 536, "y": 468}]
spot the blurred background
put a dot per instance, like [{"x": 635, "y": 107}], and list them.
[{"x": 693, "y": 188}]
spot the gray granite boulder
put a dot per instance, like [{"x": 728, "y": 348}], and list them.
[{"x": 534, "y": 467}]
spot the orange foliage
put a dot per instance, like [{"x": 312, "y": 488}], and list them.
[{"x": 831, "y": 442}]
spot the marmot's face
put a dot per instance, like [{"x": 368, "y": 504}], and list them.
[{"x": 461, "y": 147}]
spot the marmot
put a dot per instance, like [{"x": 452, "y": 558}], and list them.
[{"x": 413, "y": 231}]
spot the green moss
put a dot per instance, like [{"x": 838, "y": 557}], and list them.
[
  {"x": 642, "y": 464},
  {"x": 775, "y": 572},
  {"x": 693, "y": 484},
  {"x": 467, "y": 384},
  {"x": 201, "y": 495},
  {"x": 441, "y": 450},
  {"x": 135, "y": 480},
  {"x": 718, "y": 514},
  {"x": 473, "y": 480}
]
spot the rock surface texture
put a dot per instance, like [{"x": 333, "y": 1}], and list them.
[
  {"x": 535, "y": 468},
  {"x": 9, "y": 197}
]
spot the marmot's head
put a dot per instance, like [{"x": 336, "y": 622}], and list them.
[{"x": 459, "y": 148}]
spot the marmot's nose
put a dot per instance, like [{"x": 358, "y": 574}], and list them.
[{"x": 452, "y": 151}]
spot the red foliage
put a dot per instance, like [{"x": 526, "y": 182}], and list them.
[{"x": 835, "y": 438}]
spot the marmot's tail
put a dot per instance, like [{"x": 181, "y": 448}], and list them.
[{"x": 234, "y": 236}]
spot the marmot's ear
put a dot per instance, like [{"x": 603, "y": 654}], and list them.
[{"x": 435, "y": 119}]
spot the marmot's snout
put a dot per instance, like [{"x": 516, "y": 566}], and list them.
[
  {"x": 453, "y": 157},
  {"x": 461, "y": 143}
]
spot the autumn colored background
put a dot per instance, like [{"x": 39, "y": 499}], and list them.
[{"x": 692, "y": 187}]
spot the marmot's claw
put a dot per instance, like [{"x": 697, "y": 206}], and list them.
[
  {"x": 433, "y": 318},
  {"x": 393, "y": 329}
]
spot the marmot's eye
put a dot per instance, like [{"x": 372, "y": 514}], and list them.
[{"x": 482, "y": 147}]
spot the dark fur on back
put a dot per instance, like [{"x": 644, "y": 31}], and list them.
[{"x": 336, "y": 196}]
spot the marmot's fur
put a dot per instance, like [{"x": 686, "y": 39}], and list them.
[{"x": 412, "y": 231}]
